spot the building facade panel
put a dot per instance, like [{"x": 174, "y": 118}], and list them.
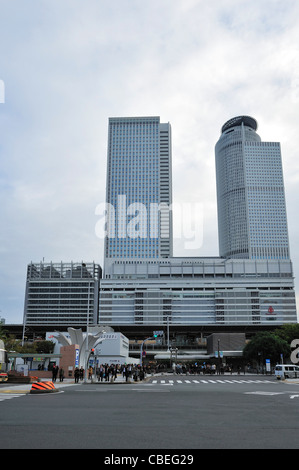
[
  {"x": 220, "y": 292},
  {"x": 62, "y": 294}
]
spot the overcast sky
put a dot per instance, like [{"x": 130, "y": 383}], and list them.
[{"x": 66, "y": 66}]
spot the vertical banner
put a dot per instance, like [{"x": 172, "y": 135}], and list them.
[{"x": 77, "y": 358}]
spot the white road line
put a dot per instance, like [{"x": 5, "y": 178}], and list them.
[
  {"x": 264, "y": 393},
  {"x": 6, "y": 396}
]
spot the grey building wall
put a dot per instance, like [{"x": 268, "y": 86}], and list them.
[
  {"x": 227, "y": 342},
  {"x": 198, "y": 291},
  {"x": 62, "y": 294}
]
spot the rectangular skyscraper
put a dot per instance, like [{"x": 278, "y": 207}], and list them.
[
  {"x": 252, "y": 220},
  {"x": 138, "y": 189}
]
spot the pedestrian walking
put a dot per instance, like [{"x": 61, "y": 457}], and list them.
[
  {"x": 77, "y": 375},
  {"x": 107, "y": 372},
  {"x": 54, "y": 373},
  {"x": 61, "y": 374},
  {"x": 101, "y": 373}
]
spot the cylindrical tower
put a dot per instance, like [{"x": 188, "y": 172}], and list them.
[
  {"x": 252, "y": 220},
  {"x": 231, "y": 186}
]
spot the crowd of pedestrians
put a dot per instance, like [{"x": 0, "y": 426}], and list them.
[
  {"x": 110, "y": 372},
  {"x": 107, "y": 372}
]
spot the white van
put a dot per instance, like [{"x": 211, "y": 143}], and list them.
[{"x": 286, "y": 371}]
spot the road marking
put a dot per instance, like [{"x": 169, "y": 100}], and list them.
[
  {"x": 7, "y": 396},
  {"x": 209, "y": 381},
  {"x": 263, "y": 393},
  {"x": 151, "y": 391}
]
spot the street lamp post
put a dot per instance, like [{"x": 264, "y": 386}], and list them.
[
  {"x": 87, "y": 336},
  {"x": 219, "y": 360}
]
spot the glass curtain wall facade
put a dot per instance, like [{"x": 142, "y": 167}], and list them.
[
  {"x": 138, "y": 189},
  {"x": 252, "y": 220}
]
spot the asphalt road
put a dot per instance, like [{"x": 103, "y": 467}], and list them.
[{"x": 169, "y": 412}]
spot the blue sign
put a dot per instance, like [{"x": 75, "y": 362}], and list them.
[{"x": 77, "y": 358}]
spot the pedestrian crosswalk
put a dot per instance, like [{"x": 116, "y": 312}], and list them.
[{"x": 207, "y": 381}]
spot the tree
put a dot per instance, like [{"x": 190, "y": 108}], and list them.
[
  {"x": 44, "y": 347},
  {"x": 37, "y": 347},
  {"x": 266, "y": 346},
  {"x": 3, "y": 333},
  {"x": 288, "y": 332}
]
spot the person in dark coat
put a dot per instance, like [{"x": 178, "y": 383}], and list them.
[
  {"x": 54, "y": 373},
  {"x": 77, "y": 375},
  {"x": 61, "y": 374}
]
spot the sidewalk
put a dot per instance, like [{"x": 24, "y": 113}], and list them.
[{"x": 25, "y": 388}]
